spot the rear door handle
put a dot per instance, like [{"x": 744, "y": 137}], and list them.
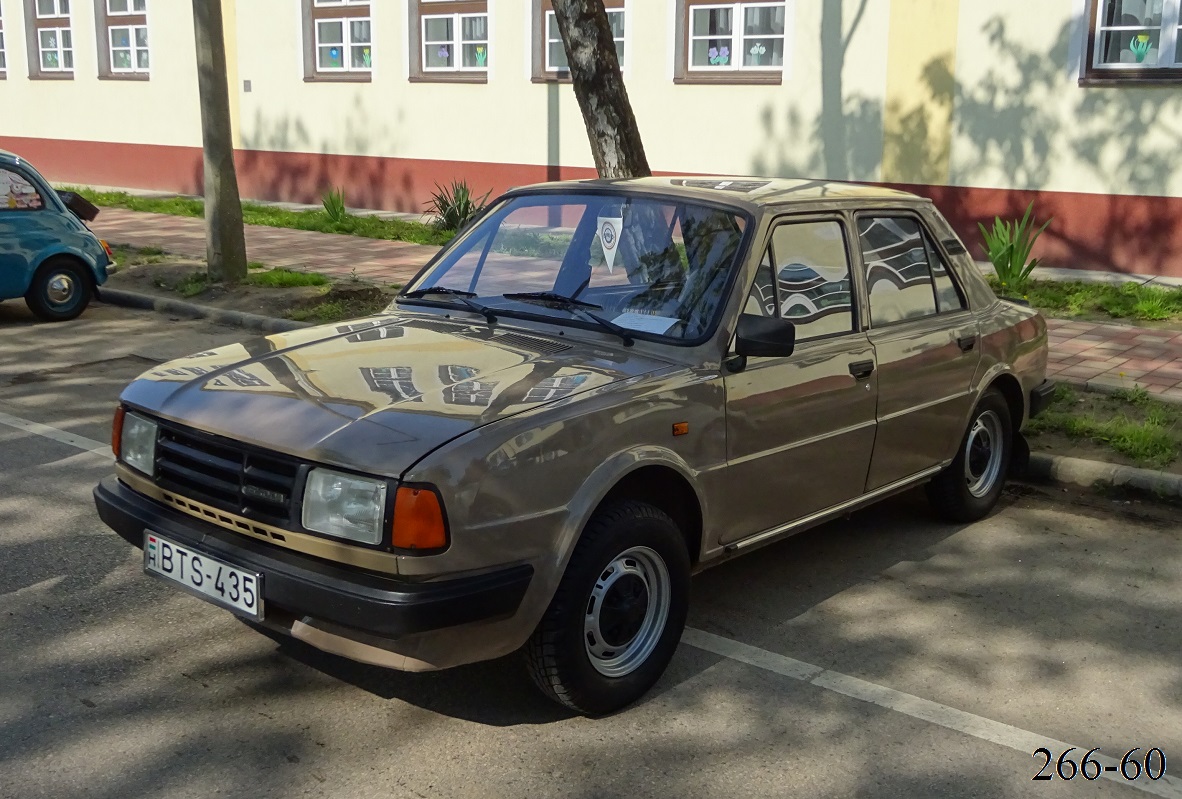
[
  {"x": 862, "y": 369},
  {"x": 966, "y": 343}
]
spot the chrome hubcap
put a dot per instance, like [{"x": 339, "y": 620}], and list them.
[
  {"x": 60, "y": 289},
  {"x": 626, "y": 612},
  {"x": 982, "y": 455}
]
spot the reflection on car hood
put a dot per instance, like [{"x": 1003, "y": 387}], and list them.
[{"x": 374, "y": 395}]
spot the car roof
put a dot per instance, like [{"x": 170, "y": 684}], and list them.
[{"x": 749, "y": 191}]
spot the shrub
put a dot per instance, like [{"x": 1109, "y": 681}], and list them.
[
  {"x": 454, "y": 205},
  {"x": 334, "y": 205},
  {"x": 1008, "y": 248}
]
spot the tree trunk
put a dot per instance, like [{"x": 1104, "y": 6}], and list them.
[
  {"x": 599, "y": 87},
  {"x": 225, "y": 243}
]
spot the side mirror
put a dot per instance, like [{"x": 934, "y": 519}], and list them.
[{"x": 765, "y": 337}]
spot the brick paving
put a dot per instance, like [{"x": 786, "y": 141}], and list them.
[{"x": 1102, "y": 355}]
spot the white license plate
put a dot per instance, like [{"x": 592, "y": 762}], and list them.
[{"x": 219, "y": 582}]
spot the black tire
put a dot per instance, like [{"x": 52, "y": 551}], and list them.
[
  {"x": 559, "y": 654},
  {"x": 971, "y": 485},
  {"x": 60, "y": 290}
]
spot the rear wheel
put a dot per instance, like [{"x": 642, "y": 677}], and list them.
[
  {"x": 971, "y": 485},
  {"x": 60, "y": 290},
  {"x": 616, "y": 618}
]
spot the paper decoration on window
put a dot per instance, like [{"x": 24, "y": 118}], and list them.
[
  {"x": 719, "y": 57},
  {"x": 366, "y": 57},
  {"x": 609, "y": 238},
  {"x": 335, "y": 53},
  {"x": 1140, "y": 46},
  {"x": 443, "y": 52},
  {"x": 481, "y": 56},
  {"x": 756, "y": 51}
]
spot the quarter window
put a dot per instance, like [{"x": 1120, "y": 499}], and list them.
[
  {"x": 17, "y": 193},
  {"x": 450, "y": 40},
  {"x": 1136, "y": 40},
  {"x": 338, "y": 40}
]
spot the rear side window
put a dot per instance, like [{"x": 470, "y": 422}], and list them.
[
  {"x": 17, "y": 193},
  {"x": 898, "y": 274},
  {"x": 812, "y": 270}
]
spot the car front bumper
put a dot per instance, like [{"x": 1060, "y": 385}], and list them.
[{"x": 303, "y": 587}]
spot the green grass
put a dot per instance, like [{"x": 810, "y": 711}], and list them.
[
  {"x": 134, "y": 256},
  {"x": 321, "y": 313},
  {"x": 1130, "y": 422},
  {"x": 192, "y": 285},
  {"x": 255, "y": 214},
  {"x": 285, "y": 278},
  {"x": 1128, "y": 301}
]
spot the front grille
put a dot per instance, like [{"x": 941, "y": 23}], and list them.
[{"x": 226, "y": 474}]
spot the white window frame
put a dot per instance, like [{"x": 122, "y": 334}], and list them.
[
  {"x": 347, "y": 45},
  {"x": 1170, "y": 32},
  {"x": 3, "y": 52},
  {"x": 331, "y": 3},
  {"x": 457, "y": 42},
  {"x": 61, "y": 50},
  {"x": 57, "y": 10},
  {"x": 547, "y": 41},
  {"x": 131, "y": 9},
  {"x": 737, "y": 36},
  {"x": 134, "y": 49}
]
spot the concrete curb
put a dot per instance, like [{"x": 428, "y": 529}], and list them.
[
  {"x": 1111, "y": 387},
  {"x": 1092, "y": 475},
  {"x": 250, "y": 321}
]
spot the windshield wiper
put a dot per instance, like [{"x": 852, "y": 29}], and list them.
[
  {"x": 574, "y": 306},
  {"x": 461, "y": 295}
]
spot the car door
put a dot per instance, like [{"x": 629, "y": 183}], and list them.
[
  {"x": 800, "y": 430},
  {"x": 925, "y": 342},
  {"x": 24, "y": 230}
]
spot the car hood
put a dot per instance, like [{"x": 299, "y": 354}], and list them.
[{"x": 375, "y": 395}]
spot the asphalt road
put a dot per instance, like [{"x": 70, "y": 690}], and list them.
[{"x": 886, "y": 655}]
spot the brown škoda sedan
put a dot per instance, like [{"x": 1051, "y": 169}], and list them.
[{"x": 593, "y": 392}]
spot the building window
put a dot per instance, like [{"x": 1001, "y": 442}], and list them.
[
  {"x": 744, "y": 42},
  {"x": 1134, "y": 40},
  {"x": 122, "y": 28},
  {"x": 50, "y": 40},
  {"x": 549, "y": 62},
  {"x": 338, "y": 36},
  {"x": 3, "y": 52},
  {"x": 449, "y": 40}
]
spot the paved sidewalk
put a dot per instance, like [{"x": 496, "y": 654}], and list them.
[{"x": 1103, "y": 355}]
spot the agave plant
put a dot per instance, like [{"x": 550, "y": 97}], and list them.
[
  {"x": 454, "y": 205},
  {"x": 1008, "y": 248},
  {"x": 334, "y": 205}
]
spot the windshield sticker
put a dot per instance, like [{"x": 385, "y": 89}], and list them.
[
  {"x": 645, "y": 323},
  {"x": 609, "y": 237}
]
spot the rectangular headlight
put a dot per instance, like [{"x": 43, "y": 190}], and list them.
[
  {"x": 137, "y": 445},
  {"x": 344, "y": 505}
]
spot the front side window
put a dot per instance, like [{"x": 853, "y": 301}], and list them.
[
  {"x": 17, "y": 193},
  {"x": 549, "y": 53},
  {"x": 1134, "y": 40},
  {"x": 812, "y": 270},
  {"x": 657, "y": 267},
  {"x": 449, "y": 40},
  {"x": 338, "y": 40}
]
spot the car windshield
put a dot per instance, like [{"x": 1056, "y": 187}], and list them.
[{"x": 657, "y": 267}]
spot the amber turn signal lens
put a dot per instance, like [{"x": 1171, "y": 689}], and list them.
[
  {"x": 418, "y": 520},
  {"x": 117, "y": 430}
]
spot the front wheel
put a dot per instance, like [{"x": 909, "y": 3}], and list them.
[
  {"x": 60, "y": 290},
  {"x": 971, "y": 485},
  {"x": 618, "y": 613}
]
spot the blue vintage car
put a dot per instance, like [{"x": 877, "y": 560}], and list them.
[{"x": 47, "y": 253}]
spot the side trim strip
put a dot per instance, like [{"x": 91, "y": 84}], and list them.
[{"x": 836, "y": 510}]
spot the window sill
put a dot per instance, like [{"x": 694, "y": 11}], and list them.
[
  {"x": 552, "y": 77},
  {"x": 140, "y": 76},
  {"x": 344, "y": 77},
  {"x": 51, "y": 76},
  {"x": 731, "y": 78},
  {"x": 450, "y": 77},
  {"x": 1168, "y": 78}
]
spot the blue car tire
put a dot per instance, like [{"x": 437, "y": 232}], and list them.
[{"x": 60, "y": 290}]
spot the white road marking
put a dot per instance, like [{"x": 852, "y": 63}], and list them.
[
  {"x": 925, "y": 710},
  {"x": 60, "y": 436}
]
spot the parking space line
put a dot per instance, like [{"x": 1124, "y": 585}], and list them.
[
  {"x": 923, "y": 709},
  {"x": 61, "y": 436}
]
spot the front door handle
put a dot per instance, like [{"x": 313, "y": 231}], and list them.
[
  {"x": 862, "y": 369},
  {"x": 966, "y": 343}
]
